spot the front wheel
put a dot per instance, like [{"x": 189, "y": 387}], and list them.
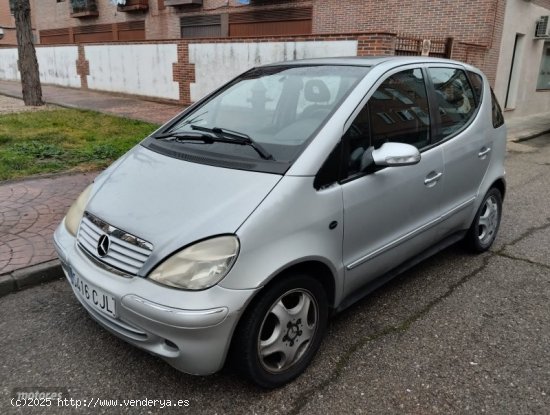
[
  {"x": 281, "y": 331},
  {"x": 484, "y": 228}
]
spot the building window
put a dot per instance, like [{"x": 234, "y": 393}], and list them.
[
  {"x": 201, "y": 26},
  {"x": 544, "y": 74}
]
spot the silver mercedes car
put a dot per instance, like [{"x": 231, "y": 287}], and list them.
[{"x": 236, "y": 229}]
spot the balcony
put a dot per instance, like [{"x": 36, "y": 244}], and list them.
[
  {"x": 134, "y": 6},
  {"x": 84, "y": 8},
  {"x": 177, "y": 3}
]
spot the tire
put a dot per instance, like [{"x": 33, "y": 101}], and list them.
[
  {"x": 281, "y": 331},
  {"x": 484, "y": 228}
]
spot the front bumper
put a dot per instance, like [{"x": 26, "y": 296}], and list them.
[{"x": 194, "y": 339}]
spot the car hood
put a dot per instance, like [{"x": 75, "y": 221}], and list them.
[{"x": 172, "y": 203}]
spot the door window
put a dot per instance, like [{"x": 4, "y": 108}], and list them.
[
  {"x": 454, "y": 99},
  {"x": 396, "y": 112}
]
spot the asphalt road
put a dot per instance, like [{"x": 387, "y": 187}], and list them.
[{"x": 456, "y": 334}]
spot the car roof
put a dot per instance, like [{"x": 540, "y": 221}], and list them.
[{"x": 367, "y": 61}]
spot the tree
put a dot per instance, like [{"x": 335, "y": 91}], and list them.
[{"x": 28, "y": 64}]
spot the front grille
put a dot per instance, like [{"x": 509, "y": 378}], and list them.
[{"x": 126, "y": 252}]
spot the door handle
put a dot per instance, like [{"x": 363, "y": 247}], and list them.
[
  {"x": 432, "y": 178},
  {"x": 483, "y": 152}
]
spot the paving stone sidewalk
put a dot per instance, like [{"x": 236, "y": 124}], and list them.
[
  {"x": 30, "y": 210},
  {"x": 123, "y": 106}
]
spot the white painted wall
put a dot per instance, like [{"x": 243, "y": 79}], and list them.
[
  {"x": 133, "y": 69},
  {"x": 56, "y": 64},
  {"x": 217, "y": 63},
  {"x": 8, "y": 65},
  {"x": 520, "y": 17}
]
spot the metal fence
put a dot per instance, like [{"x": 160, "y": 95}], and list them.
[{"x": 416, "y": 45}]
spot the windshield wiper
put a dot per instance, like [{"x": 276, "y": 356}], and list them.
[
  {"x": 186, "y": 136},
  {"x": 235, "y": 137}
]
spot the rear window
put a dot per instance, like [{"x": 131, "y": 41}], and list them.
[{"x": 498, "y": 118}]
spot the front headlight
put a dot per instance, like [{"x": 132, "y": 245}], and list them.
[
  {"x": 198, "y": 266},
  {"x": 74, "y": 215}
]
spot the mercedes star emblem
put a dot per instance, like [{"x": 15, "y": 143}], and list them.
[{"x": 103, "y": 245}]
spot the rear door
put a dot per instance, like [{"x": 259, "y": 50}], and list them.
[{"x": 463, "y": 138}]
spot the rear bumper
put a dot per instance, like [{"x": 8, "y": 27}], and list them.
[{"x": 191, "y": 330}]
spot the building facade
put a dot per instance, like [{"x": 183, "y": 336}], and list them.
[
  {"x": 475, "y": 25},
  {"x": 523, "y": 73},
  {"x": 7, "y": 24},
  {"x": 498, "y": 36}
]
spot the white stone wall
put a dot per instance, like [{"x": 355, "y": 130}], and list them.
[
  {"x": 8, "y": 65},
  {"x": 133, "y": 69},
  {"x": 57, "y": 65},
  {"x": 147, "y": 69},
  {"x": 217, "y": 63}
]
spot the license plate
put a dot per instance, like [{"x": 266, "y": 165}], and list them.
[{"x": 93, "y": 296}]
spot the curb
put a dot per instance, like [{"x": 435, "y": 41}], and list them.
[
  {"x": 30, "y": 276},
  {"x": 526, "y": 137}
]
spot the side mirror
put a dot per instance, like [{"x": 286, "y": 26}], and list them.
[{"x": 395, "y": 154}]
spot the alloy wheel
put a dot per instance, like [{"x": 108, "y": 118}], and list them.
[
  {"x": 287, "y": 330},
  {"x": 488, "y": 220}
]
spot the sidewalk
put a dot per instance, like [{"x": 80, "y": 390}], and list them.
[
  {"x": 113, "y": 104},
  {"x": 30, "y": 210},
  {"x": 525, "y": 128}
]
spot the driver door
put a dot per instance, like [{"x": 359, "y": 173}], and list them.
[{"x": 390, "y": 213}]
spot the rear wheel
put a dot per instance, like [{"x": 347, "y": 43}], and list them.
[
  {"x": 281, "y": 332},
  {"x": 486, "y": 223}
]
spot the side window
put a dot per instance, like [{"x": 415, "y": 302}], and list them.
[
  {"x": 498, "y": 118},
  {"x": 396, "y": 112},
  {"x": 454, "y": 99},
  {"x": 477, "y": 85}
]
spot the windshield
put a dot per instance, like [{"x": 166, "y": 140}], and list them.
[{"x": 278, "y": 108}]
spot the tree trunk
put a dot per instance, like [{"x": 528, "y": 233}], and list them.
[{"x": 28, "y": 65}]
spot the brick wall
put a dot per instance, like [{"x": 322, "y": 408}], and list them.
[
  {"x": 376, "y": 44},
  {"x": 484, "y": 51},
  {"x": 7, "y": 22},
  {"x": 467, "y": 20},
  {"x": 52, "y": 15},
  {"x": 161, "y": 22}
]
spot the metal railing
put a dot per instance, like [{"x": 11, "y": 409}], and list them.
[{"x": 82, "y": 6}]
